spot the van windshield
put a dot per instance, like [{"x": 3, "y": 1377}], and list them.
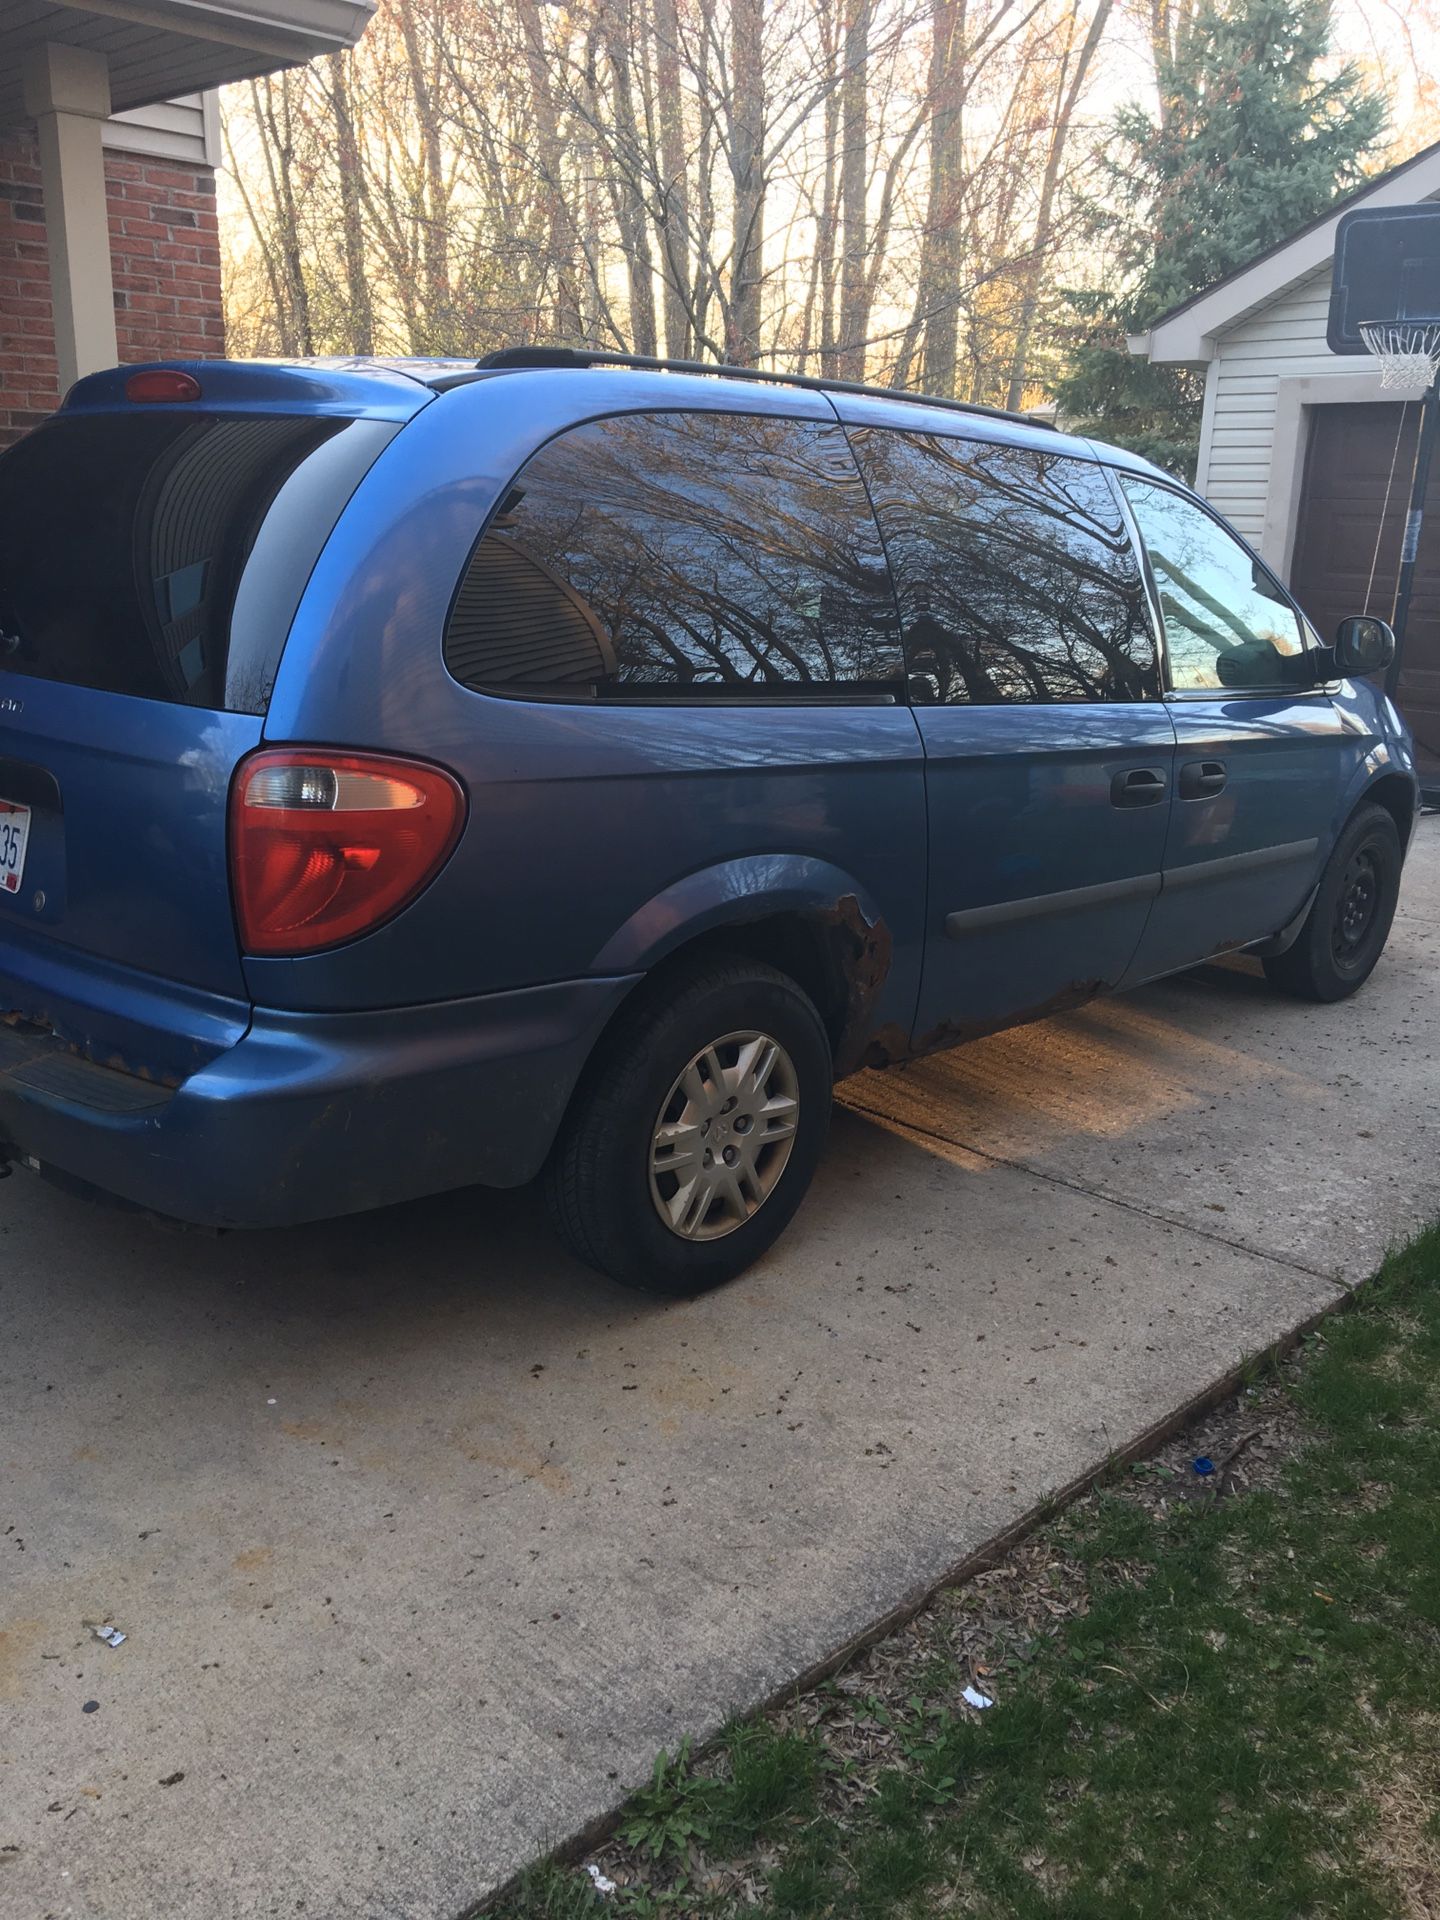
[{"x": 163, "y": 555}]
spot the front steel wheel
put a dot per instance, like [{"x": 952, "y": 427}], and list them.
[
  {"x": 1356, "y": 907},
  {"x": 1347, "y": 927},
  {"x": 693, "y": 1137}
]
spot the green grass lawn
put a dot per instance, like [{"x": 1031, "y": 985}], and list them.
[{"x": 1213, "y": 1696}]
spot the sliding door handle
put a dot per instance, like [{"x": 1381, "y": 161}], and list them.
[
  {"x": 1200, "y": 779},
  {"x": 1138, "y": 787}
]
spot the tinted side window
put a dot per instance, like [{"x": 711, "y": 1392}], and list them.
[
  {"x": 1227, "y": 622},
  {"x": 679, "y": 553},
  {"x": 1015, "y": 576}
]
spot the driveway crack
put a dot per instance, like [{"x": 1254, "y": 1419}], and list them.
[{"x": 1098, "y": 1193}]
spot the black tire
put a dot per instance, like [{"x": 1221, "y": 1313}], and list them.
[
  {"x": 598, "y": 1183},
  {"x": 1347, "y": 927}
]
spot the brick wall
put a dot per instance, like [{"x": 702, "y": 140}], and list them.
[
  {"x": 165, "y": 256},
  {"x": 27, "y": 341}
]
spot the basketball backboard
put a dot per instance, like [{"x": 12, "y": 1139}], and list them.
[{"x": 1387, "y": 267}]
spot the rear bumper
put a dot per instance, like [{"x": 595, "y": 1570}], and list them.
[{"x": 313, "y": 1115}]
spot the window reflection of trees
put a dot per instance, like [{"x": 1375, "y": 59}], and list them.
[
  {"x": 681, "y": 551},
  {"x": 1227, "y": 623},
  {"x": 1015, "y": 576}
]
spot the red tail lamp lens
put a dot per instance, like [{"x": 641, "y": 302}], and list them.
[
  {"x": 162, "y": 383},
  {"x": 325, "y": 846}
]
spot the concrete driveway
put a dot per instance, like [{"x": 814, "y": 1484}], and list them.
[{"x": 424, "y": 1539}]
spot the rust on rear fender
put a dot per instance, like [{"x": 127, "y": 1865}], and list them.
[{"x": 862, "y": 951}]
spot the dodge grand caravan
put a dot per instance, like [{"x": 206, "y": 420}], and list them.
[{"x": 427, "y": 775}]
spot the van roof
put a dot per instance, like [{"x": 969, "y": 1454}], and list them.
[
  {"x": 444, "y": 375},
  {"x": 397, "y": 387},
  {"x": 441, "y": 374},
  {"x": 518, "y": 359}
]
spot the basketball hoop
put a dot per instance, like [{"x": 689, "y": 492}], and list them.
[
  {"x": 1408, "y": 350},
  {"x": 1387, "y": 264}
]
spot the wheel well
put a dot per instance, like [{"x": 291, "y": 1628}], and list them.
[
  {"x": 1396, "y": 794},
  {"x": 822, "y": 952}
]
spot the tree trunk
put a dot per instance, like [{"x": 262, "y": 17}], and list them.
[
  {"x": 854, "y": 188},
  {"x": 709, "y": 291},
  {"x": 561, "y": 243},
  {"x": 673, "y": 219},
  {"x": 937, "y": 303},
  {"x": 434, "y": 208},
  {"x": 630, "y": 208},
  {"x": 747, "y": 172},
  {"x": 1044, "y": 216},
  {"x": 1170, "y": 23},
  {"x": 360, "y": 306},
  {"x": 827, "y": 237}
]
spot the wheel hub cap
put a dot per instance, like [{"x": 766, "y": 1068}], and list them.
[{"x": 724, "y": 1135}]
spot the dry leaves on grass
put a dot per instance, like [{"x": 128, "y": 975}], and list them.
[
  {"x": 976, "y": 1633},
  {"x": 1406, "y": 1840}
]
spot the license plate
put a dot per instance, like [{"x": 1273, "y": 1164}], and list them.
[{"x": 14, "y": 838}]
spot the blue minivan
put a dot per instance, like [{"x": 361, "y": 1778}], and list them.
[{"x": 427, "y": 774}]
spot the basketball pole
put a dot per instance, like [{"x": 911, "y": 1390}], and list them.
[{"x": 1414, "y": 520}]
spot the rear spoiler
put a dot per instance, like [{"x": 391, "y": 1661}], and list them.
[{"x": 262, "y": 386}]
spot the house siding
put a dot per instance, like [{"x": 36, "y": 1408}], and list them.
[
  {"x": 183, "y": 130},
  {"x": 1283, "y": 340},
  {"x": 165, "y": 254}
]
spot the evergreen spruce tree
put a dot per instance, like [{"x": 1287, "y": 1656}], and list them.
[{"x": 1256, "y": 138}]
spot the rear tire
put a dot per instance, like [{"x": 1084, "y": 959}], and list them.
[
  {"x": 1347, "y": 926},
  {"x": 696, "y": 1130}
]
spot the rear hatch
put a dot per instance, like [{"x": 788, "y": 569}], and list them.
[{"x": 152, "y": 555}]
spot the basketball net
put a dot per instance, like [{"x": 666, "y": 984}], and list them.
[{"x": 1408, "y": 350}]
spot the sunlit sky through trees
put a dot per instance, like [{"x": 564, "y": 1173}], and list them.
[{"x": 893, "y": 189}]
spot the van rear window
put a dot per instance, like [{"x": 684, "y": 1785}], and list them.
[{"x": 163, "y": 555}]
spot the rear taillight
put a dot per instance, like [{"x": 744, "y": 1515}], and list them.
[{"x": 325, "y": 846}]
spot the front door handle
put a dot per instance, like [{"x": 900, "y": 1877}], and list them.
[
  {"x": 1138, "y": 787},
  {"x": 1201, "y": 779}
]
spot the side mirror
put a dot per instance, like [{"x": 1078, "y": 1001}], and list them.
[{"x": 1363, "y": 645}]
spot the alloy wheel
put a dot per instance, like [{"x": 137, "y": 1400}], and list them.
[{"x": 724, "y": 1135}]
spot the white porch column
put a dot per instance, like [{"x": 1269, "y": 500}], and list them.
[{"x": 67, "y": 93}]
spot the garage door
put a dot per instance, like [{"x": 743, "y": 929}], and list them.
[{"x": 1347, "y": 464}]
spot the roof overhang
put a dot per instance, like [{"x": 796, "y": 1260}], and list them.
[
  {"x": 157, "y": 49},
  {"x": 1186, "y": 335}
]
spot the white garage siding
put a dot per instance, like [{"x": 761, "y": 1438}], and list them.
[
  {"x": 1259, "y": 337},
  {"x": 1284, "y": 339}
]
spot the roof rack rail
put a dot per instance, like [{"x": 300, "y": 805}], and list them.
[{"x": 514, "y": 358}]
